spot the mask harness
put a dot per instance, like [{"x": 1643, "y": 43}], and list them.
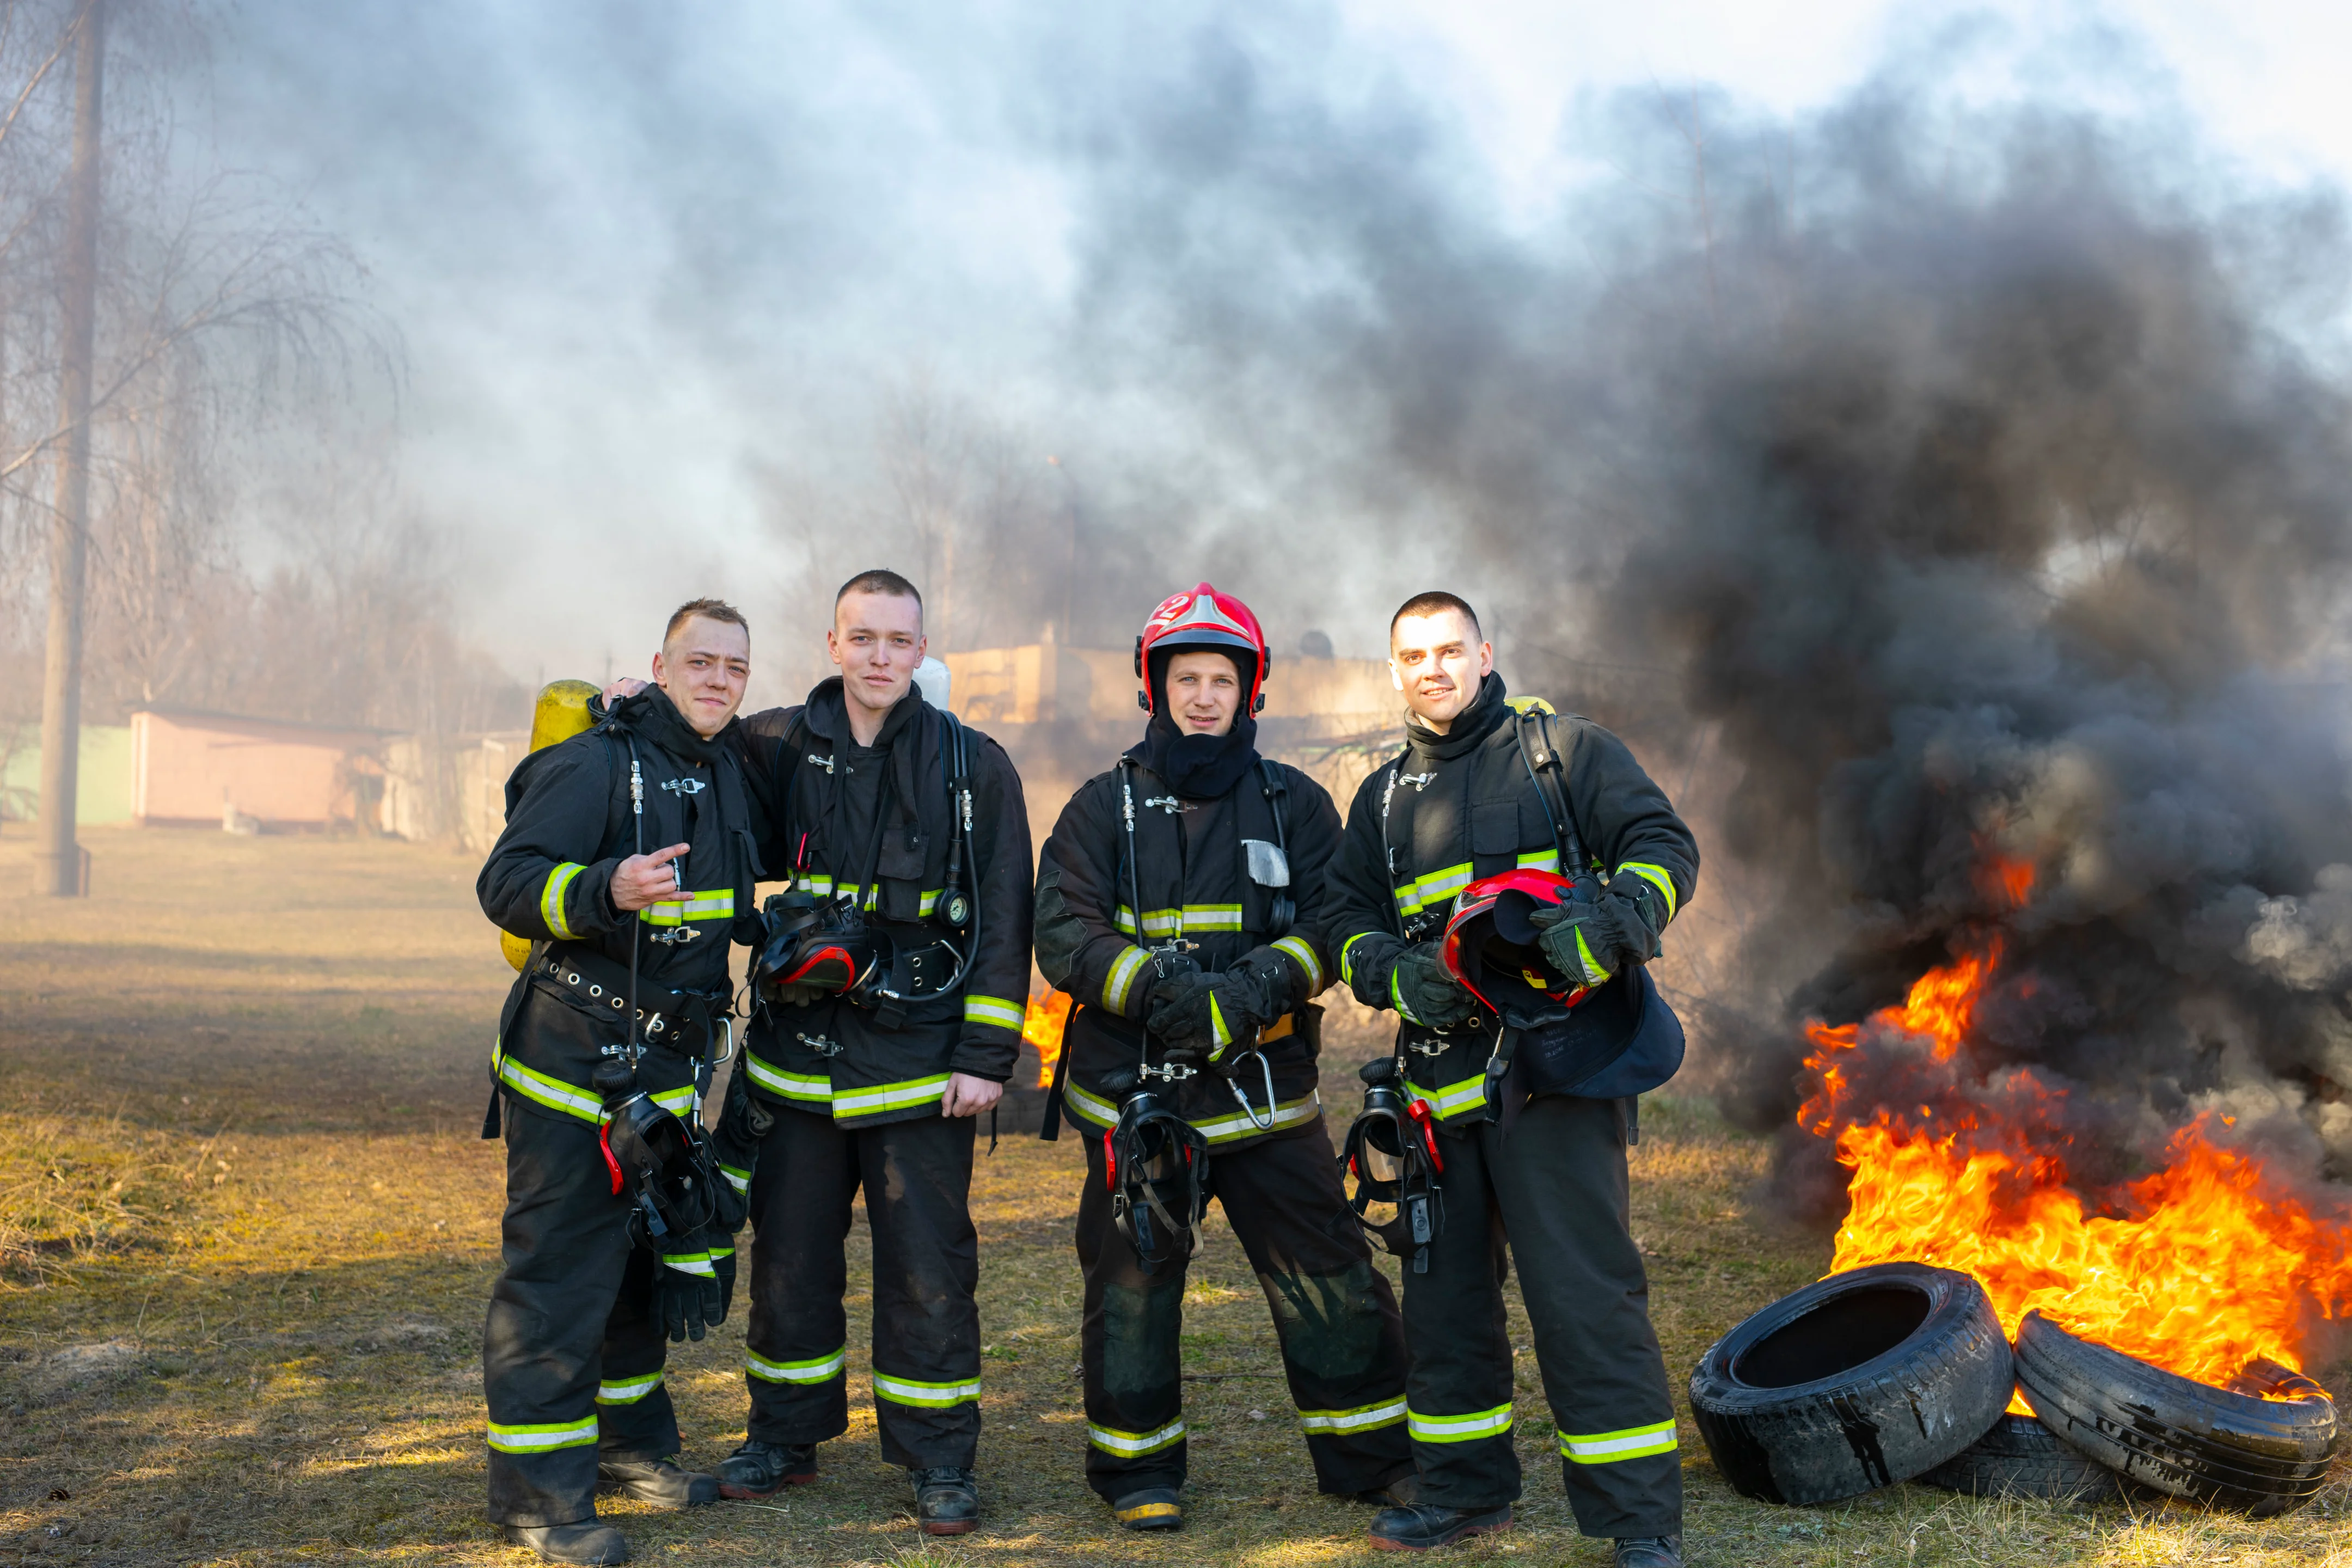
[
  {"x": 1156, "y": 1166},
  {"x": 1391, "y": 1158},
  {"x": 649, "y": 1151}
]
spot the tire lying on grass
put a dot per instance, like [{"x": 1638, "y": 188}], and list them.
[
  {"x": 1855, "y": 1381},
  {"x": 2160, "y": 1429},
  {"x": 2021, "y": 1457}
]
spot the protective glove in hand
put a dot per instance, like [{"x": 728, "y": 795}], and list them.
[
  {"x": 800, "y": 995},
  {"x": 1588, "y": 942},
  {"x": 1245, "y": 1000},
  {"x": 1420, "y": 988},
  {"x": 1177, "y": 1017},
  {"x": 722, "y": 1265},
  {"x": 687, "y": 1301},
  {"x": 735, "y": 1149}
]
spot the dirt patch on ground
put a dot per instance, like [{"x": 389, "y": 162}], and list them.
[{"x": 246, "y": 1231}]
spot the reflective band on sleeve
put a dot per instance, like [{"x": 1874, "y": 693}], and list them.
[
  {"x": 889, "y": 1096},
  {"x": 1453, "y": 1097},
  {"x": 1302, "y": 952},
  {"x": 551, "y": 899},
  {"x": 1541, "y": 860},
  {"x": 1121, "y": 980},
  {"x": 1134, "y": 1444},
  {"x": 719, "y": 904},
  {"x": 690, "y": 1263},
  {"x": 1608, "y": 1447},
  {"x": 551, "y": 1092},
  {"x": 1458, "y": 1429},
  {"x": 738, "y": 1180},
  {"x": 1363, "y": 1418},
  {"x": 1656, "y": 877},
  {"x": 1099, "y": 1112},
  {"x": 994, "y": 1010},
  {"x": 791, "y": 1085},
  {"x": 1347, "y": 971},
  {"x": 628, "y": 1391},
  {"x": 928, "y": 1396},
  {"x": 816, "y": 1369},
  {"x": 540, "y": 1439}
]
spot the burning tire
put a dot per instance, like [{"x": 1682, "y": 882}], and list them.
[
  {"x": 2163, "y": 1430},
  {"x": 1854, "y": 1383},
  {"x": 2022, "y": 1458}
]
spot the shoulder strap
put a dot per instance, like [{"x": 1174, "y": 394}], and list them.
[
  {"x": 1549, "y": 773},
  {"x": 1281, "y": 906}
]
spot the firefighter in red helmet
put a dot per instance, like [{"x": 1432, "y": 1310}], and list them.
[
  {"x": 1501, "y": 886},
  {"x": 1181, "y": 902}
]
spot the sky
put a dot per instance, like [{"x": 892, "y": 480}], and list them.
[{"x": 657, "y": 271}]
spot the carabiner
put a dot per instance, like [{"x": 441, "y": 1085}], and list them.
[{"x": 1242, "y": 1100}]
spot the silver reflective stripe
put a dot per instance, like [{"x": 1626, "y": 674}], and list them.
[
  {"x": 1123, "y": 970},
  {"x": 1363, "y": 1418},
  {"x": 791, "y": 1085},
  {"x": 551, "y": 1092},
  {"x": 1130, "y": 1445},
  {"x": 1608, "y": 1447},
  {"x": 536, "y": 1440},
  {"x": 928, "y": 1396},
  {"x": 889, "y": 1096},
  {"x": 627, "y": 1392},
  {"x": 551, "y": 899},
  {"x": 1458, "y": 1429},
  {"x": 816, "y": 1369},
  {"x": 994, "y": 1010},
  {"x": 1302, "y": 952}
]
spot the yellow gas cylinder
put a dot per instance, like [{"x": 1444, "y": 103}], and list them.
[{"x": 561, "y": 713}]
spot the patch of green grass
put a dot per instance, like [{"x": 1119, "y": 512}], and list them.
[{"x": 262, "y": 1346}]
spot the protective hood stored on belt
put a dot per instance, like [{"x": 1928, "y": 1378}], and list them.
[{"x": 1495, "y": 950}]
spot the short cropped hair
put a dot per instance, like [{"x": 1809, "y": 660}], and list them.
[
  {"x": 709, "y": 610},
  {"x": 878, "y": 580},
  {"x": 1430, "y": 603}
]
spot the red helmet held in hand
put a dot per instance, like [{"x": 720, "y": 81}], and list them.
[
  {"x": 1202, "y": 618},
  {"x": 1493, "y": 948}
]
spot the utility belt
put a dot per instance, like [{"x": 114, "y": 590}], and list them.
[{"x": 680, "y": 1021}]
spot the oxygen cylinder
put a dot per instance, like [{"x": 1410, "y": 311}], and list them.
[{"x": 561, "y": 712}]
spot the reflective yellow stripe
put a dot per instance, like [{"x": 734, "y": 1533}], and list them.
[
  {"x": 1134, "y": 1444},
  {"x": 1458, "y": 1429},
  {"x": 926, "y": 1396},
  {"x": 628, "y": 1391},
  {"x": 1594, "y": 973},
  {"x": 1302, "y": 952},
  {"x": 717, "y": 905},
  {"x": 822, "y": 885},
  {"x": 539, "y": 1439},
  {"x": 678, "y": 1101},
  {"x": 1219, "y": 1036},
  {"x": 1656, "y": 877},
  {"x": 1541, "y": 860},
  {"x": 551, "y": 1092},
  {"x": 1608, "y": 1447},
  {"x": 1453, "y": 1097},
  {"x": 1396, "y": 1000},
  {"x": 1347, "y": 971},
  {"x": 816, "y": 1369},
  {"x": 1123, "y": 970},
  {"x": 994, "y": 1010},
  {"x": 1099, "y": 1112},
  {"x": 1224, "y": 1128},
  {"x": 1434, "y": 888},
  {"x": 738, "y": 1180},
  {"x": 1363, "y": 1418},
  {"x": 1191, "y": 917},
  {"x": 889, "y": 1096},
  {"x": 691, "y": 1263},
  {"x": 791, "y": 1085},
  {"x": 551, "y": 899}
]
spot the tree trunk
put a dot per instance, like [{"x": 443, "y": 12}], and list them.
[{"x": 56, "y": 866}]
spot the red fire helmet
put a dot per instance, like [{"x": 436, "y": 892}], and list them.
[
  {"x": 1202, "y": 618},
  {"x": 1493, "y": 948}
]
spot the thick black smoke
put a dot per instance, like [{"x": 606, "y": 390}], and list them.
[{"x": 1975, "y": 480}]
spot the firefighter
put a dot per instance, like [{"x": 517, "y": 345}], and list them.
[
  {"x": 573, "y": 1349},
  {"x": 1207, "y": 989},
  {"x": 1545, "y": 1176},
  {"x": 859, "y": 792}
]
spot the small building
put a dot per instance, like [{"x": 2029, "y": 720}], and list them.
[
  {"x": 103, "y": 779},
  {"x": 222, "y": 770}
]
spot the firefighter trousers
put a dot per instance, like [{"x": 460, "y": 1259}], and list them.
[
  {"x": 917, "y": 1178},
  {"x": 1555, "y": 1192},
  {"x": 1342, "y": 1343},
  {"x": 571, "y": 1357}
]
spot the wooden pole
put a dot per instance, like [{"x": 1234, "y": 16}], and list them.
[{"x": 57, "y": 865}]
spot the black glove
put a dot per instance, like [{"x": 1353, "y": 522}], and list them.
[
  {"x": 788, "y": 995},
  {"x": 735, "y": 1148},
  {"x": 1425, "y": 993},
  {"x": 1177, "y": 1017},
  {"x": 1590, "y": 940},
  {"x": 1246, "y": 1000},
  {"x": 687, "y": 1301}
]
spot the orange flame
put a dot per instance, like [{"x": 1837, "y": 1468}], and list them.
[
  {"x": 2205, "y": 1267},
  {"x": 1042, "y": 1026}
]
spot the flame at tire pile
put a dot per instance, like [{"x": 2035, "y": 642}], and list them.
[
  {"x": 1042, "y": 1026},
  {"x": 2200, "y": 1267}
]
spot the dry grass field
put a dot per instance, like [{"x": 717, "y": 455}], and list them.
[{"x": 247, "y": 1232}]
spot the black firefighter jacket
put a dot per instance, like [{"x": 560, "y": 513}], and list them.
[
  {"x": 1196, "y": 889},
  {"x": 1454, "y": 808},
  {"x": 829, "y": 808},
  {"x": 549, "y": 878}
]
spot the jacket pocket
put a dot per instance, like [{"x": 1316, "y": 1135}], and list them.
[
  {"x": 899, "y": 870},
  {"x": 1496, "y": 827}
]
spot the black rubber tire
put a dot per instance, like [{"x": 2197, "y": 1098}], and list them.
[
  {"x": 1854, "y": 1383},
  {"x": 2160, "y": 1429},
  {"x": 2022, "y": 1458}
]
